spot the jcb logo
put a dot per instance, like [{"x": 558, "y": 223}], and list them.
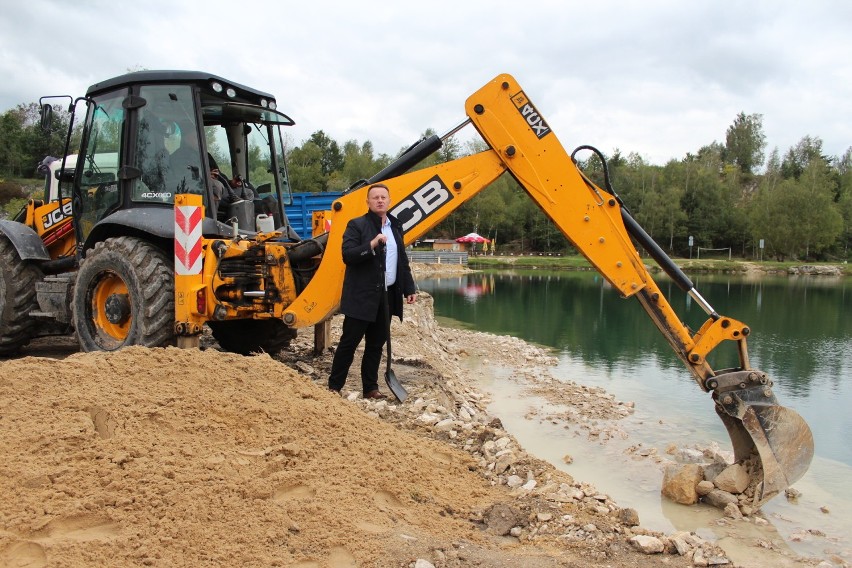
[
  {"x": 56, "y": 215},
  {"x": 531, "y": 115},
  {"x": 421, "y": 203}
]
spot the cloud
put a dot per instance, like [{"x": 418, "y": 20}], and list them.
[{"x": 659, "y": 78}]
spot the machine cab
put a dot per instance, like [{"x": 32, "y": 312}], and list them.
[{"x": 150, "y": 135}]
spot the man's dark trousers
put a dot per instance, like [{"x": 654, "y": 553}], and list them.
[{"x": 375, "y": 334}]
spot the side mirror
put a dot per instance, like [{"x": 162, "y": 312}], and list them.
[
  {"x": 46, "y": 112},
  {"x": 65, "y": 175}
]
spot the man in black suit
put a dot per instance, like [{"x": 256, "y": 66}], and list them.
[{"x": 375, "y": 257}]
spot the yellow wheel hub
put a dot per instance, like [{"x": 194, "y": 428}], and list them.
[{"x": 111, "y": 312}]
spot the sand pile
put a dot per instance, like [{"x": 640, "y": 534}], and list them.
[{"x": 168, "y": 457}]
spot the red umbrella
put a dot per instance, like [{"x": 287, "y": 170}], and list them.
[{"x": 472, "y": 238}]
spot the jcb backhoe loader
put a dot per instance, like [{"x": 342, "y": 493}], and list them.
[{"x": 156, "y": 252}]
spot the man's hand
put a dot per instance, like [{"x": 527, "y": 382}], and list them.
[
  {"x": 411, "y": 298},
  {"x": 379, "y": 239}
]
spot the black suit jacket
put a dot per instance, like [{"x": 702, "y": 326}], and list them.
[{"x": 363, "y": 283}]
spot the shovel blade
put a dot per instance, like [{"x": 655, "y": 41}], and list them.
[
  {"x": 395, "y": 386},
  {"x": 778, "y": 436}
]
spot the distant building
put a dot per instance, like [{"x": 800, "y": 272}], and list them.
[{"x": 445, "y": 244}]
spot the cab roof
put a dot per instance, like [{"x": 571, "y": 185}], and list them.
[{"x": 153, "y": 77}]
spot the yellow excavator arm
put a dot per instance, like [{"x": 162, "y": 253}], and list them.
[{"x": 594, "y": 219}]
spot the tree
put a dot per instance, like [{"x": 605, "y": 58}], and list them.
[
  {"x": 704, "y": 203},
  {"x": 662, "y": 210},
  {"x": 23, "y": 144},
  {"x": 798, "y": 217},
  {"x": 745, "y": 142},
  {"x": 822, "y": 220},
  {"x": 11, "y": 147},
  {"x": 332, "y": 158},
  {"x": 305, "y": 168},
  {"x": 358, "y": 161},
  {"x": 799, "y": 156},
  {"x": 844, "y": 202}
]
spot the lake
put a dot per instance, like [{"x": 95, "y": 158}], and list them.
[{"x": 801, "y": 336}]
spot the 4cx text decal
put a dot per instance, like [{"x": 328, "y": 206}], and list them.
[
  {"x": 421, "y": 203},
  {"x": 531, "y": 115}
]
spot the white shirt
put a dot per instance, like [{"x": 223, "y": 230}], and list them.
[{"x": 391, "y": 253}]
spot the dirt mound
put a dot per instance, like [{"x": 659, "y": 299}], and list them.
[{"x": 202, "y": 458}]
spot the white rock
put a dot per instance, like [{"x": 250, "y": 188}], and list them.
[
  {"x": 681, "y": 545},
  {"x": 514, "y": 481},
  {"x": 734, "y": 479},
  {"x": 647, "y": 544},
  {"x": 428, "y": 418},
  {"x": 504, "y": 463}
]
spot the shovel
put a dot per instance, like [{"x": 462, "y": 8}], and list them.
[{"x": 390, "y": 377}]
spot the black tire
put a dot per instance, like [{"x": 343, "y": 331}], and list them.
[
  {"x": 17, "y": 299},
  {"x": 252, "y": 336},
  {"x": 124, "y": 295}
]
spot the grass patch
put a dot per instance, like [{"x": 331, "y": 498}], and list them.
[{"x": 687, "y": 265}]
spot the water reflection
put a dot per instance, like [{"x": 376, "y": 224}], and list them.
[{"x": 801, "y": 334}]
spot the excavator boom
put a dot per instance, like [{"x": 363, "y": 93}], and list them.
[{"x": 773, "y": 441}]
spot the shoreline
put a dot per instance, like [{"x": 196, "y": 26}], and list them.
[{"x": 689, "y": 266}]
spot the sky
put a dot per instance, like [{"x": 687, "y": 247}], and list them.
[{"x": 658, "y": 78}]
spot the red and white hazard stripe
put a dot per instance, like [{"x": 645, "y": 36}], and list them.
[{"x": 187, "y": 240}]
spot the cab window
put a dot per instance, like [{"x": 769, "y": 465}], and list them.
[{"x": 167, "y": 146}]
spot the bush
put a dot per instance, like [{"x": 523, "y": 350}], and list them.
[
  {"x": 12, "y": 207},
  {"x": 11, "y": 190}
]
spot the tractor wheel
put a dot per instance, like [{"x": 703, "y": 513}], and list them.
[
  {"x": 124, "y": 295},
  {"x": 17, "y": 299},
  {"x": 252, "y": 336}
]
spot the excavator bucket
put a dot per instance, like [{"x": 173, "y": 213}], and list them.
[{"x": 774, "y": 442}]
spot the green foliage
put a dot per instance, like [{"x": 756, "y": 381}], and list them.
[
  {"x": 745, "y": 142},
  {"x": 12, "y": 207},
  {"x": 799, "y": 156},
  {"x": 13, "y": 197},
  {"x": 798, "y": 217},
  {"x": 305, "y": 167},
  {"x": 800, "y": 204},
  {"x": 359, "y": 162},
  {"x": 331, "y": 159},
  {"x": 319, "y": 164},
  {"x": 23, "y": 144}
]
